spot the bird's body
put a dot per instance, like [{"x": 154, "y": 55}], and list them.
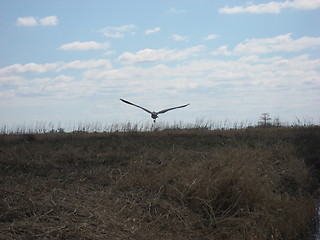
[{"x": 154, "y": 115}]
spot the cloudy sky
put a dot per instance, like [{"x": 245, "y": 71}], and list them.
[{"x": 231, "y": 60}]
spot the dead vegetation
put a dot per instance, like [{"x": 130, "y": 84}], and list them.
[{"x": 232, "y": 184}]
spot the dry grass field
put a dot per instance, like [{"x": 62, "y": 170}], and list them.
[{"x": 258, "y": 183}]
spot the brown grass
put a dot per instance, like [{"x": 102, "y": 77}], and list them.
[{"x": 235, "y": 184}]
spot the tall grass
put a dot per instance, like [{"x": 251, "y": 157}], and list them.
[
  {"x": 91, "y": 127},
  {"x": 221, "y": 184}
]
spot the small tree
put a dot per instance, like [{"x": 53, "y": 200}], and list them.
[{"x": 265, "y": 120}]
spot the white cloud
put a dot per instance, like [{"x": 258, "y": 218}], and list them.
[
  {"x": 26, "y": 21},
  {"x": 176, "y": 11},
  {"x": 49, "y": 21},
  {"x": 151, "y": 31},
  {"x": 251, "y": 82},
  {"x": 10, "y": 80},
  {"x": 276, "y": 44},
  {"x": 281, "y": 43},
  {"x": 110, "y": 52},
  {"x": 28, "y": 68},
  {"x": 118, "y": 32},
  {"x": 146, "y": 55},
  {"x": 210, "y": 37},
  {"x": 152, "y": 55},
  {"x": 306, "y": 4},
  {"x": 35, "y": 68},
  {"x": 250, "y": 58},
  {"x": 61, "y": 85},
  {"x": 7, "y": 94},
  {"x": 32, "y": 21},
  {"x": 223, "y": 50},
  {"x": 177, "y": 37},
  {"x": 91, "y": 45},
  {"x": 252, "y": 74},
  {"x": 272, "y": 7},
  {"x": 77, "y": 64}
]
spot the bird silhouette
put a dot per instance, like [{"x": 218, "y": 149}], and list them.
[{"x": 154, "y": 115}]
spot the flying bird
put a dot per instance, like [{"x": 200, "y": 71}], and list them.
[{"x": 154, "y": 115}]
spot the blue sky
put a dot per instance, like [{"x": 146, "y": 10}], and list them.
[{"x": 71, "y": 61}]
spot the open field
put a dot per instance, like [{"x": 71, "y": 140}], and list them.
[{"x": 259, "y": 183}]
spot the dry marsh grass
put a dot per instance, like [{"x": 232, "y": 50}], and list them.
[{"x": 232, "y": 184}]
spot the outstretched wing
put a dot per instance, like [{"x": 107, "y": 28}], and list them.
[
  {"x": 125, "y": 101},
  {"x": 169, "y": 109}
]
